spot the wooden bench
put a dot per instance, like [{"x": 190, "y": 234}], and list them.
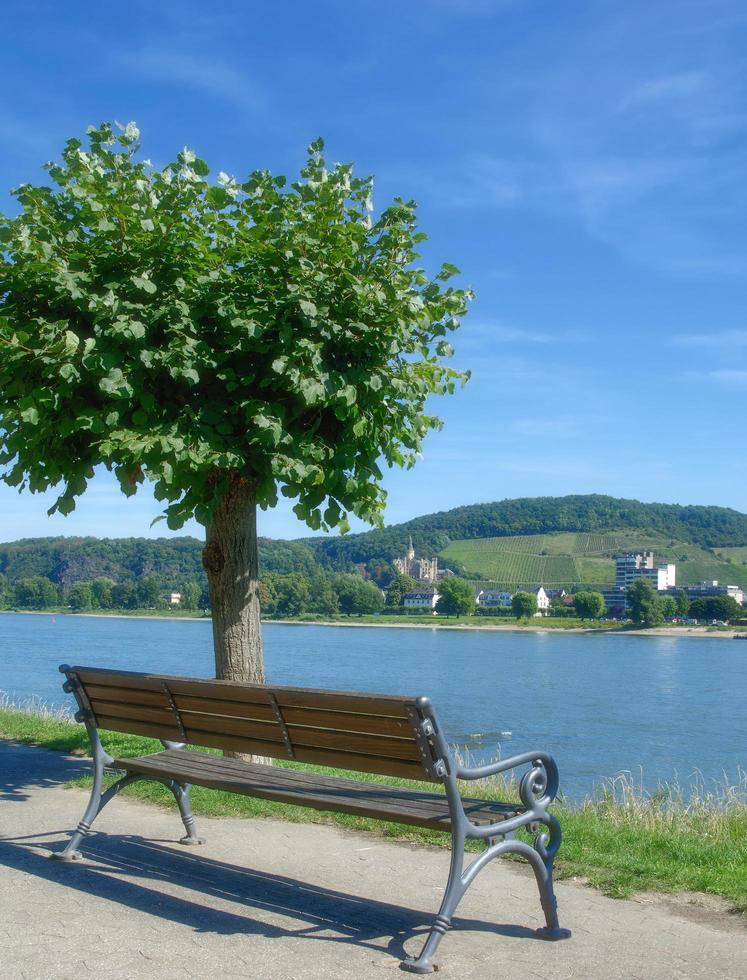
[{"x": 372, "y": 733}]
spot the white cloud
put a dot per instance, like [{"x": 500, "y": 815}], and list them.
[{"x": 210, "y": 75}]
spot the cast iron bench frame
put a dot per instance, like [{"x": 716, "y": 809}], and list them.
[{"x": 381, "y": 734}]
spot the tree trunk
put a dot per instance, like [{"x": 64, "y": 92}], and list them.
[{"x": 230, "y": 561}]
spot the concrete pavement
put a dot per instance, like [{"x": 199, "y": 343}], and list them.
[{"x": 268, "y": 899}]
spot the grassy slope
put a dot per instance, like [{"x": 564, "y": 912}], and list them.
[
  {"x": 620, "y": 846},
  {"x": 568, "y": 558}
]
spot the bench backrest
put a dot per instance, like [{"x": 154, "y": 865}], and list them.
[{"x": 365, "y": 732}]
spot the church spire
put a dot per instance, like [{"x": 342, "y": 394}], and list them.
[{"x": 410, "y": 550}]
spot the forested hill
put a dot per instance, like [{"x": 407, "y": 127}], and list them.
[
  {"x": 710, "y": 527},
  {"x": 170, "y": 561}
]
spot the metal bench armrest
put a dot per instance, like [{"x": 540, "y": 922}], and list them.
[{"x": 540, "y": 781}]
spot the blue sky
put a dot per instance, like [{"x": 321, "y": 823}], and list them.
[{"x": 582, "y": 163}]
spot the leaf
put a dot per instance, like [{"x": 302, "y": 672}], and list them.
[
  {"x": 30, "y": 415},
  {"x": 200, "y": 167},
  {"x": 145, "y": 284},
  {"x": 218, "y": 197},
  {"x": 147, "y": 224},
  {"x": 307, "y": 307}
]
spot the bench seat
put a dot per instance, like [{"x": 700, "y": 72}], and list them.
[{"x": 400, "y": 805}]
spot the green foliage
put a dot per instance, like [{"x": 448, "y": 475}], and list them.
[
  {"x": 715, "y": 607},
  {"x": 80, "y": 597},
  {"x": 358, "y": 597},
  {"x": 35, "y": 593},
  {"x": 524, "y": 605},
  {"x": 456, "y": 597},
  {"x": 181, "y": 331},
  {"x": 589, "y": 605},
  {"x": 683, "y": 603},
  {"x": 668, "y": 606},
  {"x": 644, "y": 603},
  {"x": 399, "y": 586},
  {"x": 290, "y": 593}
]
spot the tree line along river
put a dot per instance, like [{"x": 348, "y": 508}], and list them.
[{"x": 658, "y": 707}]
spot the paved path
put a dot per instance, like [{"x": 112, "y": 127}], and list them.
[{"x": 267, "y": 899}]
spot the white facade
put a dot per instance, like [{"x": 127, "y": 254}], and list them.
[
  {"x": 712, "y": 588},
  {"x": 173, "y": 598},
  {"x": 543, "y": 600},
  {"x": 630, "y": 567},
  {"x": 420, "y": 599},
  {"x": 486, "y": 597}
]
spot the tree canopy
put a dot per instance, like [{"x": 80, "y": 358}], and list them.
[
  {"x": 589, "y": 605},
  {"x": 524, "y": 605},
  {"x": 644, "y": 603},
  {"x": 456, "y": 598},
  {"x": 181, "y": 330}
]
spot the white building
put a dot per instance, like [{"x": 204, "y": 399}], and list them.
[
  {"x": 487, "y": 597},
  {"x": 630, "y": 567},
  {"x": 420, "y": 599},
  {"x": 705, "y": 589},
  {"x": 172, "y": 598},
  {"x": 543, "y": 600}
]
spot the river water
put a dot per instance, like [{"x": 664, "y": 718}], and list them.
[{"x": 657, "y": 707}]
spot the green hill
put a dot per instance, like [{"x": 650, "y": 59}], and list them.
[
  {"x": 567, "y": 559},
  {"x": 594, "y": 514}
]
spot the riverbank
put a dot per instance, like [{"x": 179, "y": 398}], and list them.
[
  {"x": 547, "y": 625},
  {"x": 622, "y": 841}
]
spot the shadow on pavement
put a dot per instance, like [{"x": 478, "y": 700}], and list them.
[
  {"x": 25, "y": 767},
  {"x": 142, "y": 875}
]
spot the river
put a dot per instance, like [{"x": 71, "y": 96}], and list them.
[{"x": 657, "y": 707}]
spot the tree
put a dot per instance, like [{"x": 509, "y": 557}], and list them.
[
  {"x": 589, "y": 605},
  {"x": 715, "y": 607},
  {"x": 644, "y": 603},
  {"x": 399, "y": 586},
  {"x": 224, "y": 341},
  {"x": 358, "y": 597},
  {"x": 36, "y": 592},
  {"x": 456, "y": 597},
  {"x": 683, "y": 603},
  {"x": 124, "y": 595},
  {"x": 324, "y": 598},
  {"x": 148, "y": 592},
  {"x": 80, "y": 596},
  {"x": 291, "y": 593},
  {"x": 668, "y": 606},
  {"x": 524, "y": 605},
  {"x": 102, "y": 593},
  {"x": 190, "y": 593}
]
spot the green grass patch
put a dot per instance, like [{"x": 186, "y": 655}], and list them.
[{"x": 622, "y": 841}]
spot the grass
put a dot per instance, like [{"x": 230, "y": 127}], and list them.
[
  {"x": 566, "y": 558},
  {"x": 622, "y": 840}
]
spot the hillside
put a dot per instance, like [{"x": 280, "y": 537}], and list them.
[
  {"x": 172, "y": 561},
  {"x": 566, "y": 559},
  {"x": 707, "y": 527}
]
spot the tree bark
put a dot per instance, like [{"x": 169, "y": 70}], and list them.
[{"x": 231, "y": 563}]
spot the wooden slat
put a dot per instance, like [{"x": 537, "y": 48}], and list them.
[
  {"x": 370, "y": 704},
  {"x": 379, "y": 745},
  {"x": 344, "y": 721},
  {"x": 135, "y": 712},
  {"x": 238, "y": 727},
  {"x": 231, "y": 709},
  {"x": 116, "y": 678},
  {"x": 232, "y": 743},
  {"x": 408, "y": 806},
  {"x": 126, "y": 695},
  {"x": 136, "y": 727},
  {"x": 219, "y": 690},
  {"x": 362, "y": 763}
]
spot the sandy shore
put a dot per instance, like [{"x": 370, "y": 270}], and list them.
[{"x": 428, "y": 624}]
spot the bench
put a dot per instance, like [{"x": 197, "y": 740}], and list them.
[{"x": 371, "y": 733}]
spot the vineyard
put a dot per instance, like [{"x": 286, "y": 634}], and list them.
[{"x": 568, "y": 559}]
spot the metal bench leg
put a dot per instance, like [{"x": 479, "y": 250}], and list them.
[
  {"x": 96, "y": 804},
  {"x": 546, "y": 845},
  {"x": 455, "y": 889},
  {"x": 181, "y": 794}
]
